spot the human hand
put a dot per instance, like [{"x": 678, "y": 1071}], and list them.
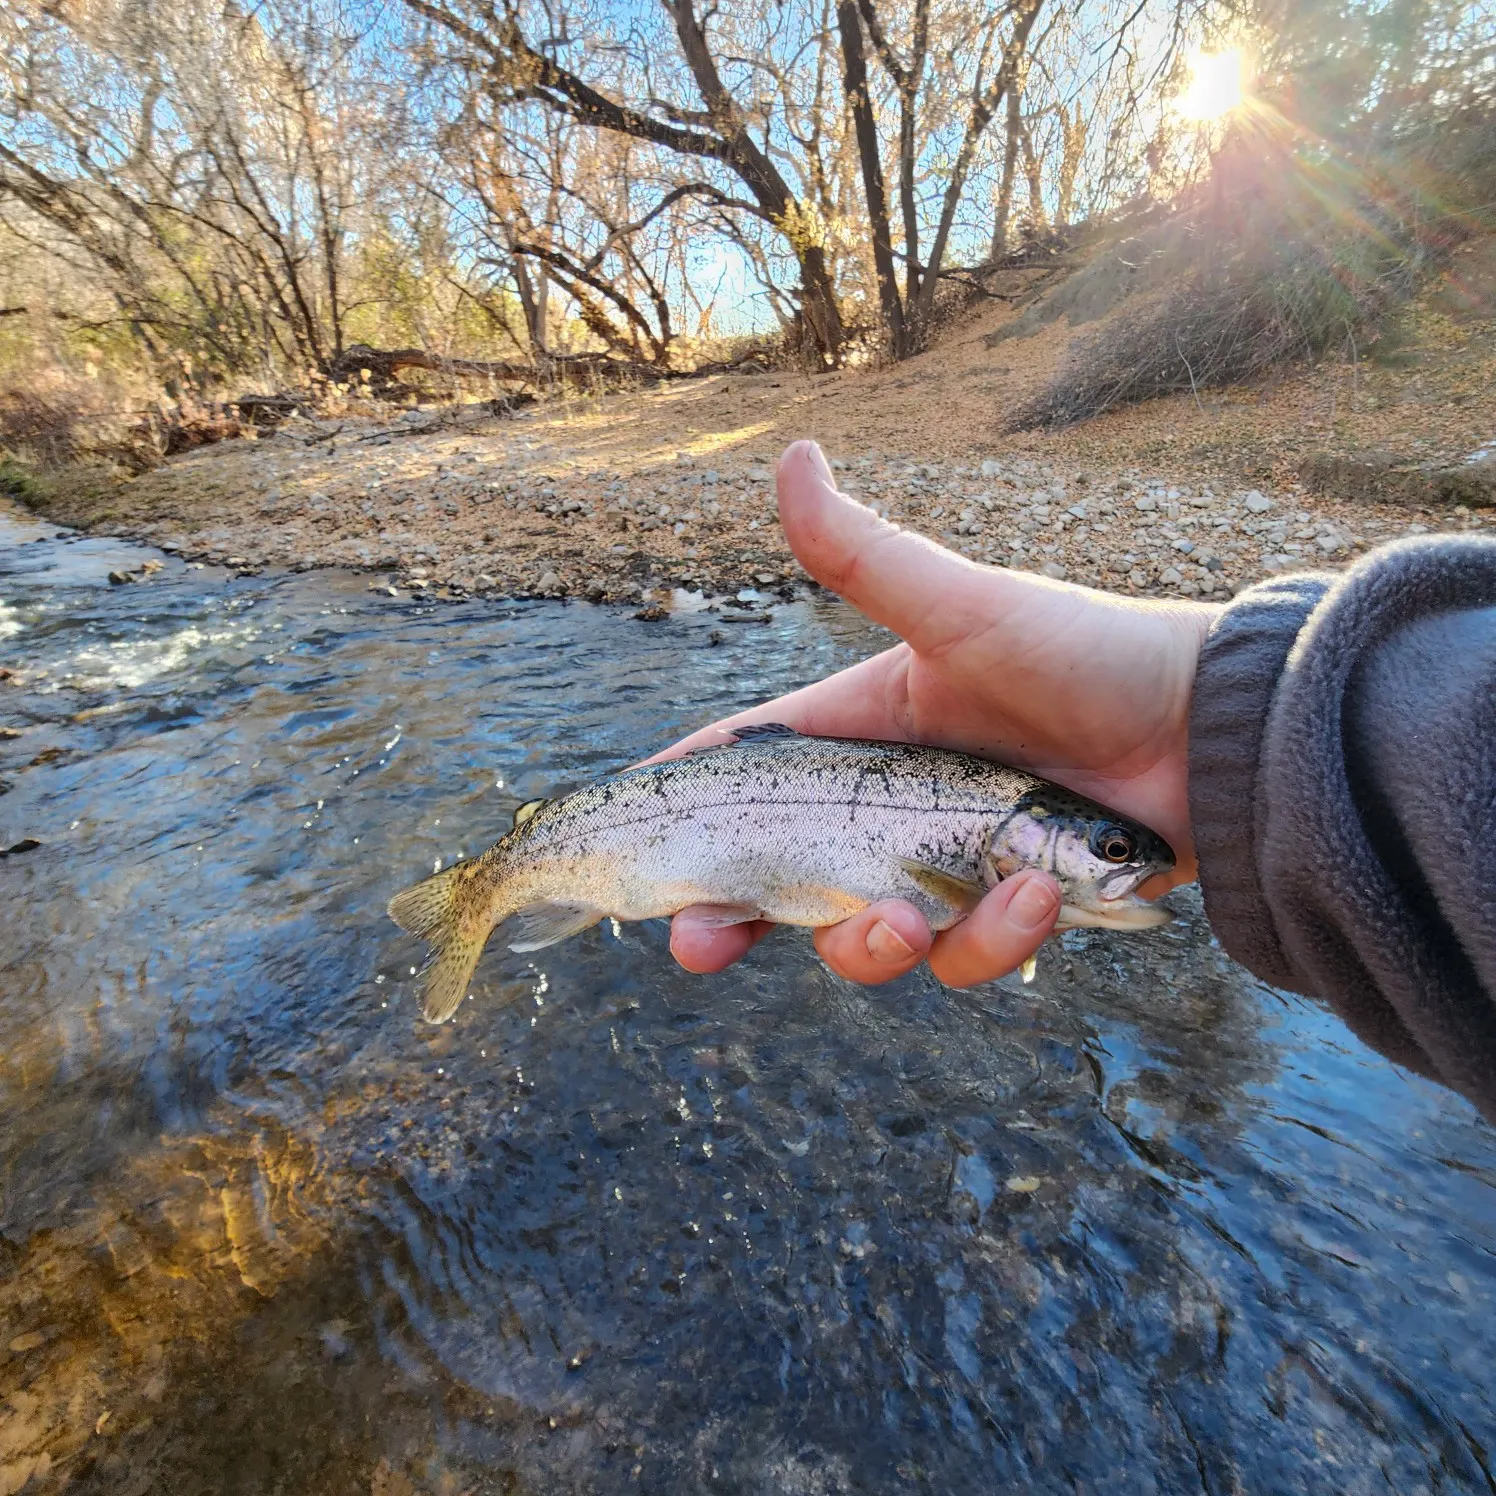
[{"x": 1082, "y": 687}]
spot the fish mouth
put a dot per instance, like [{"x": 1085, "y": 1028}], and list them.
[
  {"x": 1115, "y": 886},
  {"x": 1125, "y": 913}
]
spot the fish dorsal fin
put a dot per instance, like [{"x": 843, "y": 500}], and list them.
[
  {"x": 959, "y": 893},
  {"x": 758, "y": 732},
  {"x": 527, "y": 812}
]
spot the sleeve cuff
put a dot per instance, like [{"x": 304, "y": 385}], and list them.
[{"x": 1240, "y": 666}]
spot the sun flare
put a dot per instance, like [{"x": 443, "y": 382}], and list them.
[{"x": 1217, "y": 85}]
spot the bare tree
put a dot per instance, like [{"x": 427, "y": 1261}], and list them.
[
  {"x": 999, "y": 53},
  {"x": 212, "y": 165},
  {"x": 530, "y": 181},
  {"x": 497, "y": 47}
]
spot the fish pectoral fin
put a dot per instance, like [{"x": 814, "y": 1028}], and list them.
[
  {"x": 960, "y": 893},
  {"x": 538, "y": 925},
  {"x": 719, "y": 916}
]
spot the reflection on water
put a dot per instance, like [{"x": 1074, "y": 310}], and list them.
[{"x": 1145, "y": 1227}]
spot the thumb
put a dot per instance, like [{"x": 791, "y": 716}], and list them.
[{"x": 923, "y": 592}]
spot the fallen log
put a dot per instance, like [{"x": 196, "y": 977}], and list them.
[{"x": 385, "y": 364}]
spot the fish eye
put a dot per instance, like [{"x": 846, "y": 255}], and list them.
[{"x": 1114, "y": 843}]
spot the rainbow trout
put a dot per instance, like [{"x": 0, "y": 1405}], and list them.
[{"x": 775, "y": 825}]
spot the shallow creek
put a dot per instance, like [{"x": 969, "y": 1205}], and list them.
[{"x": 1146, "y": 1226}]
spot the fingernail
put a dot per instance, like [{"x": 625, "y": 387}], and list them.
[
  {"x": 885, "y": 944},
  {"x": 819, "y": 463},
  {"x": 1032, "y": 904}
]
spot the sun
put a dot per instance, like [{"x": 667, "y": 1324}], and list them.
[{"x": 1217, "y": 85}]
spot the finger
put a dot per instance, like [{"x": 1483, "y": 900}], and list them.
[
  {"x": 923, "y": 592},
  {"x": 882, "y": 942},
  {"x": 1001, "y": 933},
  {"x": 704, "y": 948}
]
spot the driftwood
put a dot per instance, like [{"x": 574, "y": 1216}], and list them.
[
  {"x": 270, "y": 410},
  {"x": 199, "y": 428},
  {"x": 384, "y": 365}
]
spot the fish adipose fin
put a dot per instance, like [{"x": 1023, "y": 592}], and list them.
[
  {"x": 959, "y": 893},
  {"x": 539, "y": 925},
  {"x": 430, "y": 910}
]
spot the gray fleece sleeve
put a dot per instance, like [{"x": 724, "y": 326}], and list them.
[{"x": 1343, "y": 797}]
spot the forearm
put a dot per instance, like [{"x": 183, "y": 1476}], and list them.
[{"x": 1343, "y": 797}]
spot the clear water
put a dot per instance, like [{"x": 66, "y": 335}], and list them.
[{"x": 1145, "y": 1227}]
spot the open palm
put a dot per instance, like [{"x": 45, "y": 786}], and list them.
[{"x": 1086, "y": 688}]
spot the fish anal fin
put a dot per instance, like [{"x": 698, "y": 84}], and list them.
[
  {"x": 758, "y": 732},
  {"x": 538, "y": 925},
  {"x": 527, "y": 812},
  {"x": 959, "y": 893}
]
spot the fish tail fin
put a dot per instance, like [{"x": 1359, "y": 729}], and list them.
[
  {"x": 455, "y": 929},
  {"x": 426, "y": 908}
]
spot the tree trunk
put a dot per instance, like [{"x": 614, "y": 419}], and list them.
[
  {"x": 1005, "y": 186},
  {"x": 764, "y": 180},
  {"x": 819, "y": 304},
  {"x": 1033, "y": 169},
  {"x": 854, "y": 75},
  {"x": 909, "y": 87},
  {"x": 1014, "y": 55},
  {"x": 532, "y": 300},
  {"x": 1072, "y": 148},
  {"x": 907, "y": 80}
]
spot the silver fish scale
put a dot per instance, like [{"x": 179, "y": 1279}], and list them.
[{"x": 804, "y": 830}]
